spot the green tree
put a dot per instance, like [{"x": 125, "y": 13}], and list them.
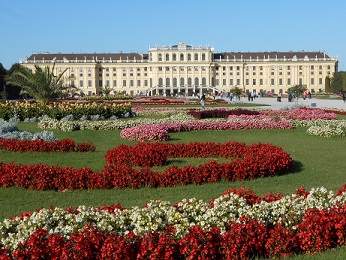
[
  {"x": 336, "y": 82},
  {"x": 298, "y": 90},
  {"x": 238, "y": 92},
  {"x": 3, "y": 73},
  {"x": 327, "y": 87},
  {"x": 106, "y": 90},
  {"x": 41, "y": 84}
]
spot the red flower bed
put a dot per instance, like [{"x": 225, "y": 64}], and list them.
[
  {"x": 248, "y": 162},
  {"x": 245, "y": 239},
  {"x": 64, "y": 145}
]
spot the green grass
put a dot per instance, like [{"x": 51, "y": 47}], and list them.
[{"x": 318, "y": 162}]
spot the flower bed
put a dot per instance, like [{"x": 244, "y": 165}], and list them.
[
  {"x": 160, "y": 132},
  {"x": 64, "y": 145},
  {"x": 300, "y": 114},
  {"x": 254, "y": 161},
  {"x": 23, "y": 110},
  {"x": 237, "y": 225},
  {"x": 220, "y": 113},
  {"x": 328, "y": 128}
]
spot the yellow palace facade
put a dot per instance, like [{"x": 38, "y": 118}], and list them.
[{"x": 188, "y": 69}]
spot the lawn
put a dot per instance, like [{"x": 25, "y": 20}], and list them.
[{"x": 318, "y": 162}]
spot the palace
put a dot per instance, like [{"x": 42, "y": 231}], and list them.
[{"x": 188, "y": 69}]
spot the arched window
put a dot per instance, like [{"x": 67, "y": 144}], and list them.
[
  {"x": 167, "y": 57},
  {"x": 160, "y": 81},
  {"x": 175, "y": 82},
  {"x": 182, "y": 82},
  {"x": 168, "y": 81},
  {"x": 203, "y": 56},
  {"x": 196, "y": 81},
  {"x": 189, "y": 81},
  {"x": 189, "y": 56},
  {"x": 160, "y": 57},
  {"x": 204, "y": 81},
  {"x": 181, "y": 57},
  {"x": 196, "y": 56},
  {"x": 174, "y": 56}
]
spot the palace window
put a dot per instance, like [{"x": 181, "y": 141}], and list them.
[
  {"x": 114, "y": 83},
  {"x": 167, "y": 57},
  {"x": 189, "y": 56},
  {"x": 181, "y": 57},
  {"x": 196, "y": 56},
  {"x": 203, "y": 56},
  {"x": 160, "y": 57},
  {"x": 197, "y": 81},
  {"x": 174, "y": 56}
]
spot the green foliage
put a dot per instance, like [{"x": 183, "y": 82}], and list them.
[
  {"x": 41, "y": 84},
  {"x": 237, "y": 91},
  {"x": 336, "y": 83},
  {"x": 327, "y": 87},
  {"x": 298, "y": 90}
]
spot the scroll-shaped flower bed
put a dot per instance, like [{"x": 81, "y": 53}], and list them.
[{"x": 246, "y": 162}]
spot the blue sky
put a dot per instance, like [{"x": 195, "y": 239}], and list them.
[{"x": 76, "y": 26}]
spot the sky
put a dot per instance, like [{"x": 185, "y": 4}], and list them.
[{"x": 111, "y": 26}]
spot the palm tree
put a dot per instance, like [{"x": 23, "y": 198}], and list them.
[{"x": 41, "y": 84}]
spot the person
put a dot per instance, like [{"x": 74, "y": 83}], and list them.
[
  {"x": 290, "y": 97},
  {"x": 279, "y": 97},
  {"x": 344, "y": 96},
  {"x": 305, "y": 95},
  {"x": 202, "y": 100}
]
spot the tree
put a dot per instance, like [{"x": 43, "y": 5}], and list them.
[
  {"x": 106, "y": 90},
  {"x": 336, "y": 83},
  {"x": 297, "y": 90},
  {"x": 3, "y": 73},
  {"x": 237, "y": 91},
  {"x": 327, "y": 87},
  {"x": 41, "y": 84}
]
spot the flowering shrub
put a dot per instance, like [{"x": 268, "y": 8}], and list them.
[
  {"x": 64, "y": 145},
  {"x": 254, "y": 161},
  {"x": 226, "y": 228}
]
